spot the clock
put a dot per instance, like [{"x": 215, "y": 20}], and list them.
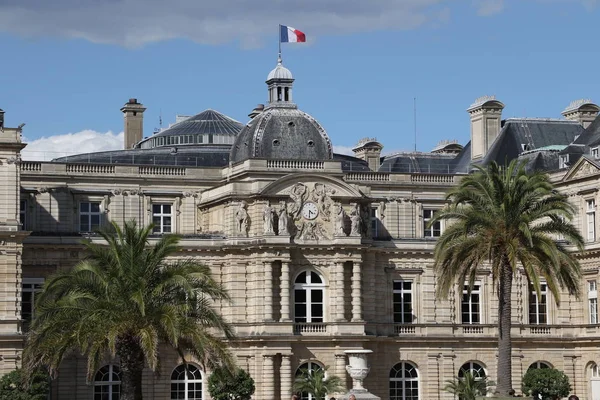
[{"x": 310, "y": 210}]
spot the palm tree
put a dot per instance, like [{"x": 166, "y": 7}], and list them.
[
  {"x": 468, "y": 387},
  {"x": 508, "y": 218},
  {"x": 314, "y": 382},
  {"x": 124, "y": 300}
]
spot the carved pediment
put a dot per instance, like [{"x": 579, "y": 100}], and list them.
[
  {"x": 283, "y": 186},
  {"x": 582, "y": 168}
]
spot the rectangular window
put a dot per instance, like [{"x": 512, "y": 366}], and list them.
[
  {"x": 595, "y": 152},
  {"x": 403, "y": 302},
  {"x": 591, "y": 220},
  {"x": 563, "y": 161},
  {"x": 161, "y": 218},
  {"x": 538, "y": 309},
  {"x": 374, "y": 223},
  {"x": 471, "y": 304},
  {"x": 436, "y": 229},
  {"x": 593, "y": 301},
  {"x": 23, "y": 214},
  {"x": 89, "y": 216},
  {"x": 30, "y": 287}
]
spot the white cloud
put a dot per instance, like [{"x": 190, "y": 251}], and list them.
[
  {"x": 137, "y": 22},
  {"x": 486, "y": 8},
  {"x": 86, "y": 141}
]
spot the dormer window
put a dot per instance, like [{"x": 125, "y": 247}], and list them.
[
  {"x": 563, "y": 161},
  {"x": 525, "y": 147},
  {"x": 595, "y": 152}
]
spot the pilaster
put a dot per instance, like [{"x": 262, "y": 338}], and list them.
[
  {"x": 268, "y": 386},
  {"x": 285, "y": 291},
  {"x": 356, "y": 292},
  {"x": 268, "y": 293},
  {"x": 286, "y": 376}
]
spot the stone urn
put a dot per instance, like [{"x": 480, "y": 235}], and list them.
[{"x": 357, "y": 368}]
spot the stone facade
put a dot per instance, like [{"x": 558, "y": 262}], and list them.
[{"x": 317, "y": 259}]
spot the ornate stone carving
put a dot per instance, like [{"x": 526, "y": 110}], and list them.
[
  {"x": 321, "y": 194},
  {"x": 586, "y": 169},
  {"x": 241, "y": 218},
  {"x": 283, "y": 219},
  {"x": 339, "y": 222},
  {"x": 192, "y": 194},
  {"x": 355, "y": 221},
  {"x": 299, "y": 194},
  {"x": 268, "y": 217}
]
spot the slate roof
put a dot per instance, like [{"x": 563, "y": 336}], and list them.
[
  {"x": 520, "y": 135},
  {"x": 208, "y": 121}
]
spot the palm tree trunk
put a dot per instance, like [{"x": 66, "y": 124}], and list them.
[
  {"x": 132, "y": 367},
  {"x": 504, "y": 379}
]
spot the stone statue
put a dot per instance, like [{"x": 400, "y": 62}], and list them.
[
  {"x": 241, "y": 217},
  {"x": 268, "y": 219},
  {"x": 356, "y": 221},
  {"x": 339, "y": 221},
  {"x": 298, "y": 195},
  {"x": 283, "y": 219}
]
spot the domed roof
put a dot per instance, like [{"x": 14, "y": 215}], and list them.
[
  {"x": 208, "y": 121},
  {"x": 282, "y": 133},
  {"x": 280, "y": 72}
]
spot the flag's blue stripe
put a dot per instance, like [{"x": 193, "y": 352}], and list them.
[{"x": 284, "y": 33}]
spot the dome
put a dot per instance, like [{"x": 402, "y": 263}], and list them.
[
  {"x": 207, "y": 127},
  {"x": 282, "y": 133},
  {"x": 280, "y": 72}
]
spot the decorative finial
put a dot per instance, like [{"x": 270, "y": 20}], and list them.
[{"x": 279, "y": 60}]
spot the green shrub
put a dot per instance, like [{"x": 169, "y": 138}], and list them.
[
  {"x": 223, "y": 385},
  {"x": 551, "y": 383},
  {"x": 14, "y": 386}
]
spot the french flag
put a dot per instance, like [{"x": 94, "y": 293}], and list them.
[{"x": 287, "y": 34}]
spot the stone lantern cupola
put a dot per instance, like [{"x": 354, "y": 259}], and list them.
[
  {"x": 583, "y": 111},
  {"x": 280, "y": 82}
]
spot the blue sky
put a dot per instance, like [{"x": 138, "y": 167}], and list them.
[{"x": 69, "y": 67}]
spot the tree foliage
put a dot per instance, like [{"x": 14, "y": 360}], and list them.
[
  {"x": 468, "y": 387},
  {"x": 16, "y": 386},
  {"x": 315, "y": 382},
  {"x": 550, "y": 383},
  {"x": 225, "y": 385},
  {"x": 124, "y": 300},
  {"x": 507, "y": 219}
]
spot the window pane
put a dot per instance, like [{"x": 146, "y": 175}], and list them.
[
  {"x": 300, "y": 296},
  {"x": 166, "y": 209},
  {"x": 317, "y": 296},
  {"x": 84, "y": 207},
  {"x": 95, "y": 207},
  {"x": 156, "y": 208}
]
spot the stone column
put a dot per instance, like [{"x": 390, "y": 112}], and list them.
[
  {"x": 267, "y": 377},
  {"x": 339, "y": 368},
  {"x": 356, "y": 293},
  {"x": 286, "y": 376},
  {"x": 268, "y": 271},
  {"x": 285, "y": 291},
  {"x": 339, "y": 292}
]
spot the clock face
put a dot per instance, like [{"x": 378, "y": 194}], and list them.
[{"x": 310, "y": 210}]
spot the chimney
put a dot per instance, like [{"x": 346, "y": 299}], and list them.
[
  {"x": 486, "y": 116},
  {"x": 257, "y": 110},
  {"x": 1, "y": 119},
  {"x": 583, "y": 111},
  {"x": 369, "y": 149},
  {"x": 133, "y": 113}
]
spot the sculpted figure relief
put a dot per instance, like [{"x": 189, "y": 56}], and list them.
[
  {"x": 356, "y": 221},
  {"x": 268, "y": 219},
  {"x": 298, "y": 195},
  {"x": 283, "y": 219},
  {"x": 321, "y": 195},
  {"x": 339, "y": 221},
  {"x": 241, "y": 217}
]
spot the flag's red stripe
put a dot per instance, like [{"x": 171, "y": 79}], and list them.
[{"x": 301, "y": 36}]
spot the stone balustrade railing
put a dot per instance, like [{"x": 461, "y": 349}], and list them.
[
  {"x": 31, "y": 166},
  {"x": 310, "y": 328},
  {"x": 367, "y": 177},
  {"x": 158, "y": 170},
  {"x": 91, "y": 168},
  {"x": 430, "y": 178},
  {"x": 295, "y": 164}
]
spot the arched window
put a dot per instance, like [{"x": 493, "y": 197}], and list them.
[
  {"x": 474, "y": 368},
  {"x": 308, "y": 297},
  {"x": 404, "y": 382},
  {"x": 186, "y": 385},
  {"x": 595, "y": 373},
  {"x": 309, "y": 367},
  {"x": 539, "y": 365},
  {"x": 107, "y": 383}
]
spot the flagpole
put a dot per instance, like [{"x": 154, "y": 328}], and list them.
[{"x": 279, "y": 57}]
